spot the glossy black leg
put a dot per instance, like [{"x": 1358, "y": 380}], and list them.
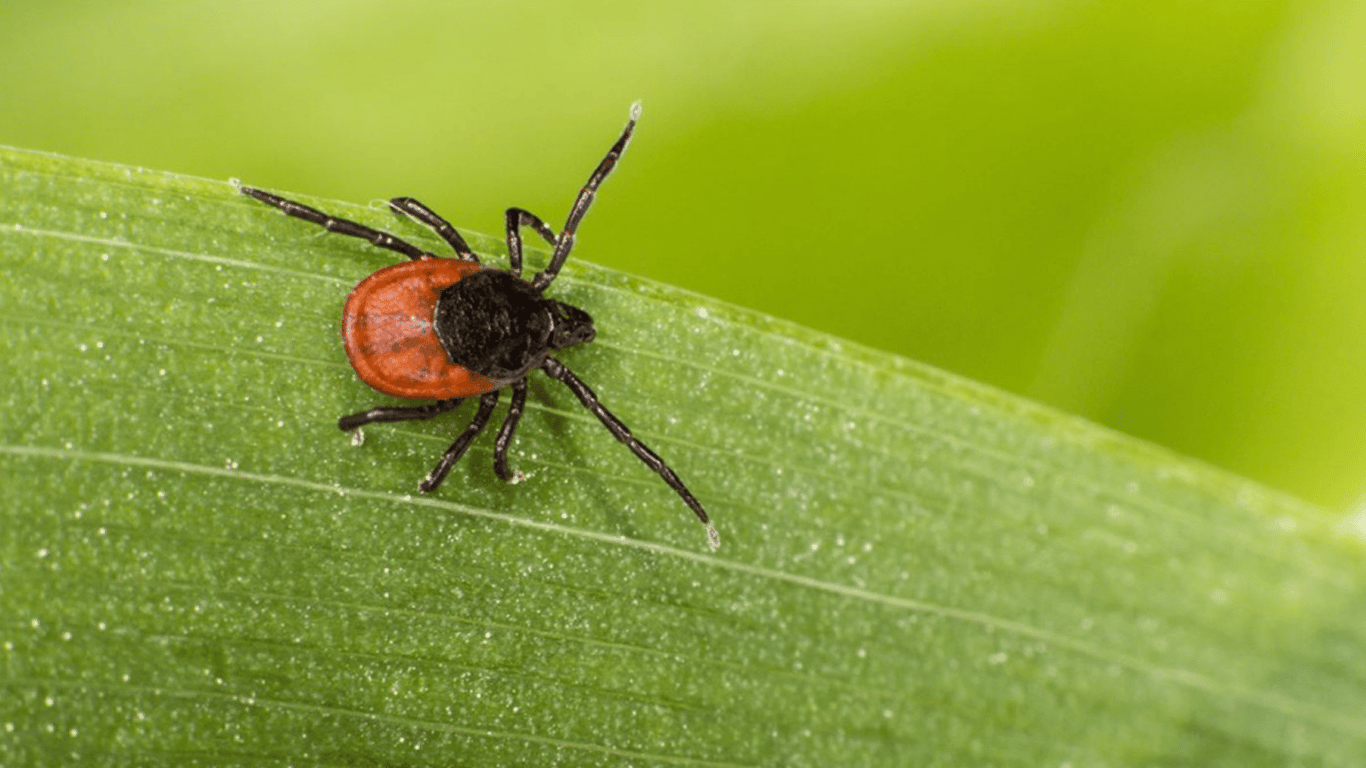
[
  {"x": 516, "y": 219},
  {"x": 556, "y": 370},
  {"x": 411, "y": 207},
  {"x": 565, "y": 242},
  {"x": 461, "y": 444},
  {"x": 397, "y": 413},
  {"x": 340, "y": 226},
  {"x": 500, "y": 448}
]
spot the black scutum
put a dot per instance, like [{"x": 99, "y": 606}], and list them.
[{"x": 494, "y": 323}]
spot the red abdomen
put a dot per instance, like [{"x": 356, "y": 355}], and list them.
[{"x": 387, "y": 331}]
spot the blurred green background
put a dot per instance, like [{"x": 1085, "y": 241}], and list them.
[{"x": 1151, "y": 214}]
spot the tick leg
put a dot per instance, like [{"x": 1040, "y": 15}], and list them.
[
  {"x": 556, "y": 370},
  {"x": 585, "y": 199},
  {"x": 340, "y": 226},
  {"x": 458, "y": 448},
  {"x": 396, "y": 413},
  {"x": 422, "y": 213},
  {"x": 516, "y": 219},
  {"x": 500, "y": 448}
]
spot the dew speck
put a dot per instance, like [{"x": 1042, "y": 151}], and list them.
[
  {"x": 104, "y": 257},
  {"x": 104, "y": 214},
  {"x": 997, "y": 658},
  {"x": 703, "y": 313}
]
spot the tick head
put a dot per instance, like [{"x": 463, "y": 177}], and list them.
[{"x": 572, "y": 326}]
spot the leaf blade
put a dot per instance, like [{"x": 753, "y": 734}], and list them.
[{"x": 915, "y": 567}]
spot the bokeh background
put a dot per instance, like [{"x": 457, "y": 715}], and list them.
[{"x": 1151, "y": 213}]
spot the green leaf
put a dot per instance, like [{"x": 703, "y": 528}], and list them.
[{"x": 199, "y": 568}]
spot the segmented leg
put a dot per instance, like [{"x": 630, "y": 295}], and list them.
[
  {"x": 585, "y": 199},
  {"x": 397, "y": 413},
  {"x": 340, "y": 226},
  {"x": 500, "y": 448},
  {"x": 556, "y": 370},
  {"x": 411, "y": 207},
  {"x": 516, "y": 219},
  {"x": 461, "y": 444}
]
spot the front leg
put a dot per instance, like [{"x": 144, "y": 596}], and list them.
[
  {"x": 556, "y": 370},
  {"x": 565, "y": 242}
]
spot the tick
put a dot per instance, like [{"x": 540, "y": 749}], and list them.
[{"x": 449, "y": 329}]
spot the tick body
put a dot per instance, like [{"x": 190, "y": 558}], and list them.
[
  {"x": 448, "y": 329},
  {"x": 388, "y": 331}
]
